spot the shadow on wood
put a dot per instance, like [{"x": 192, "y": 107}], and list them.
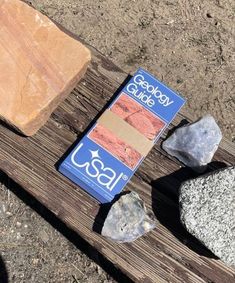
[
  {"x": 11, "y": 128},
  {"x": 3, "y": 272},
  {"x": 169, "y": 216},
  {"x": 57, "y": 224}
]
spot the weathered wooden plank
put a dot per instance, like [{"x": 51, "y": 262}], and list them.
[{"x": 168, "y": 254}]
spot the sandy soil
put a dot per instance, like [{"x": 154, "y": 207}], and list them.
[
  {"x": 33, "y": 250},
  {"x": 187, "y": 44}
]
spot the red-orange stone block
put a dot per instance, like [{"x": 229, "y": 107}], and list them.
[{"x": 39, "y": 66}]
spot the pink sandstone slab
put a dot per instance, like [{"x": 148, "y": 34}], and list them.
[{"x": 39, "y": 66}]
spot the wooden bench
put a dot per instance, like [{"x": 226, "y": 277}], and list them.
[{"x": 169, "y": 253}]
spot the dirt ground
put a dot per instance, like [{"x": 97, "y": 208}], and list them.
[{"x": 187, "y": 44}]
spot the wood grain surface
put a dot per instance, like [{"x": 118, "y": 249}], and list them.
[{"x": 169, "y": 253}]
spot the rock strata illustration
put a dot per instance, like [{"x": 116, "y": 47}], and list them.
[
  {"x": 137, "y": 116},
  {"x": 108, "y": 140}
]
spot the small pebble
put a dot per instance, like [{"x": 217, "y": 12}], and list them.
[
  {"x": 43, "y": 236},
  {"x": 99, "y": 270},
  {"x": 18, "y": 236},
  {"x": 18, "y": 224},
  {"x": 3, "y": 208},
  {"x": 8, "y": 214},
  {"x": 35, "y": 261}
]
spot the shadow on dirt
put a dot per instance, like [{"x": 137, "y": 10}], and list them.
[
  {"x": 72, "y": 236},
  {"x": 3, "y": 272},
  {"x": 165, "y": 198}
]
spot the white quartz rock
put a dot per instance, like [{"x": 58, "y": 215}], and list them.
[
  {"x": 127, "y": 219},
  {"x": 196, "y": 143}
]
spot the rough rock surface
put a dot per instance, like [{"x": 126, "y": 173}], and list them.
[
  {"x": 196, "y": 143},
  {"x": 127, "y": 219},
  {"x": 207, "y": 210},
  {"x": 39, "y": 66}
]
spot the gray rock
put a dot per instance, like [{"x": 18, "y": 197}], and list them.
[
  {"x": 196, "y": 143},
  {"x": 207, "y": 210},
  {"x": 127, "y": 219}
]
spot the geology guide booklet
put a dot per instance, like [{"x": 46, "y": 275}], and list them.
[{"x": 108, "y": 155}]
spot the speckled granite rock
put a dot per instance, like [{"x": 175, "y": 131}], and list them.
[
  {"x": 39, "y": 66},
  {"x": 127, "y": 219},
  {"x": 207, "y": 210},
  {"x": 196, "y": 143}
]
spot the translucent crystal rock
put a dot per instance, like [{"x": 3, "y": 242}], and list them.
[
  {"x": 207, "y": 210},
  {"x": 127, "y": 219},
  {"x": 196, "y": 143}
]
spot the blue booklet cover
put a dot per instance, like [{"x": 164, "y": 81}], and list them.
[{"x": 105, "y": 159}]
